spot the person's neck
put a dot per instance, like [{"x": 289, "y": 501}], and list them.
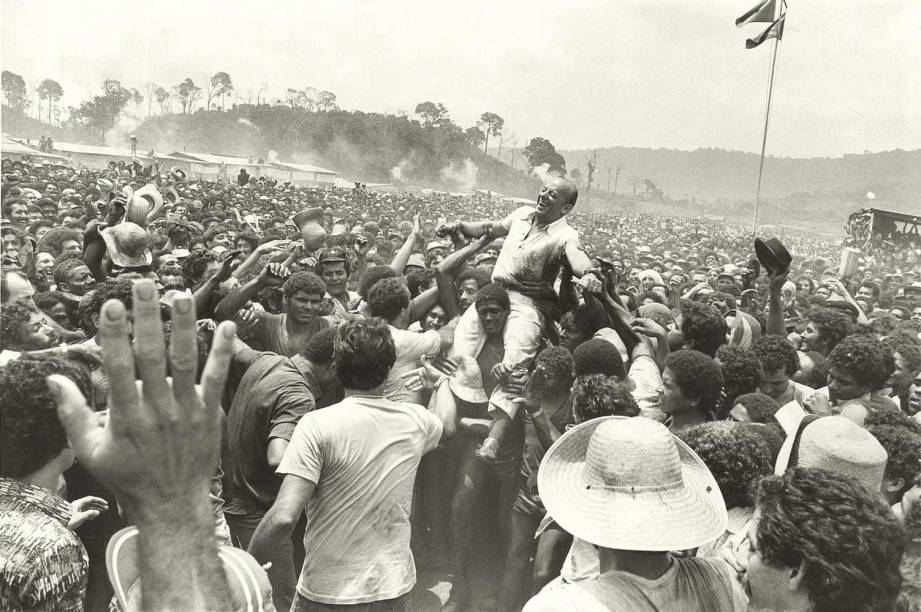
[
  {"x": 684, "y": 419},
  {"x": 648, "y": 565},
  {"x": 296, "y": 326},
  {"x": 48, "y": 476},
  {"x": 375, "y": 392}
]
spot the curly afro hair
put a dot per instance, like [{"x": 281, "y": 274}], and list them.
[
  {"x": 418, "y": 278},
  {"x": 904, "y": 449},
  {"x": 741, "y": 371},
  {"x": 597, "y": 356},
  {"x": 833, "y": 327},
  {"x": 864, "y": 358},
  {"x": 703, "y": 328},
  {"x": 319, "y": 349},
  {"x": 12, "y": 316},
  {"x": 556, "y": 362},
  {"x": 844, "y": 534},
  {"x": 893, "y": 417},
  {"x": 371, "y": 276},
  {"x": 30, "y": 432},
  {"x": 760, "y": 407},
  {"x": 388, "y": 297},
  {"x": 91, "y": 303},
  {"x": 698, "y": 377},
  {"x": 308, "y": 282},
  {"x": 736, "y": 456},
  {"x": 776, "y": 352},
  {"x": 597, "y": 395}
]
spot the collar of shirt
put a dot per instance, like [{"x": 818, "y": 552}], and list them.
[
  {"x": 40, "y": 498},
  {"x": 552, "y": 229}
]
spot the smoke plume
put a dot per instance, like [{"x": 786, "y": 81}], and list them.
[{"x": 461, "y": 176}]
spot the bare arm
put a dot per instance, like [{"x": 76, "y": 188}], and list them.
[
  {"x": 446, "y": 271},
  {"x": 275, "y": 452},
  {"x": 276, "y": 527},
  {"x": 775, "y": 324},
  {"x": 422, "y": 303},
  {"x": 444, "y": 407},
  {"x": 402, "y": 256}
]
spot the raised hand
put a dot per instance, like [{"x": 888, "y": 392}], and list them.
[
  {"x": 274, "y": 274},
  {"x": 159, "y": 446},
  {"x": 85, "y": 509}
]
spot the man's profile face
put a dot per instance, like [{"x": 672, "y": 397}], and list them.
[
  {"x": 672, "y": 399},
  {"x": 775, "y": 383},
  {"x": 492, "y": 317},
  {"x": 468, "y": 291},
  {"x": 843, "y": 385},
  {"x": 812, "y": 338},
  {"x": 34, "y": 335}
]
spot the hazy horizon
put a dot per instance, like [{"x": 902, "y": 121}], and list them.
[{"x": 663, "y": 75}]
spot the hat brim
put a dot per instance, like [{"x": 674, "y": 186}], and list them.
[
  {"x": 471, "y": 395},
  {"x": 120, "y": 259},
  {"x": 680, "y": 518},
  {"x": 774, "y": 257}
]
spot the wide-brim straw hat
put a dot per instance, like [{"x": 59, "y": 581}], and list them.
[
  {"x": 837, "y": 444},
  {"x": 629, "y": 484},
  {"x": 126, "y": 245}
]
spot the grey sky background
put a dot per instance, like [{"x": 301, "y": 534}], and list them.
[{"x": 644, "y": 73}]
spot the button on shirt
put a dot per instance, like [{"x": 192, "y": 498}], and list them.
[
  {"x": 531, "y": 253},
  {"x": 42, "y": 563}
]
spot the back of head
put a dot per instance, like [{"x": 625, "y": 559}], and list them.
[
  {"x": 864, "y": 358},
  {"x": 370, "y": 278},
  {"x": 597, "y": 356},
  {"x": 388, "y": 298},
  {"x": 736, "y": 455},
  {"x": 597, "y": 395},
  {"x": 845, "y": 537},
  {"x": 698, "y": 377},
  {"x": 363, "y": 354},
  {"x": 30, "y": 433},
  {"x": 703, "y": 328},
  {"x": 760, "y": 407},
  {"x": 319, "y": 349}
]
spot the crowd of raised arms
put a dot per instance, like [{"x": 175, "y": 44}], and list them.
[{"x": 253, "y": 395}]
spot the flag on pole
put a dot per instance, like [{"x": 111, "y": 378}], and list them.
[
  {"x": 763, "y": 12},
  {"x": 775, "y": 30}
]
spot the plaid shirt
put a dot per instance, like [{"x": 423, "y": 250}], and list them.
[{"x": 42, "y": 563}]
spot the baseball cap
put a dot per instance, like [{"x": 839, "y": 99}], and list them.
[{"x": 335, "y": 253}]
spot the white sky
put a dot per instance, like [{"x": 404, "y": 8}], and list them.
[{"x": 588, "y": 73}]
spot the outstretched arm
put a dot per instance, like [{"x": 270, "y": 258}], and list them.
[{"x": 445, "y": 274}]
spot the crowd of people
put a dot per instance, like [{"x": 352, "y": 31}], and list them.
[{"x": 253, "y": 395}]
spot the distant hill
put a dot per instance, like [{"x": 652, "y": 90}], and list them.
[{"x": 714, "y": 175}]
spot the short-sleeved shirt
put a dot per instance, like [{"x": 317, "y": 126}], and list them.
[
  {"x": 362, "y": 454},
  {"x": 410, "y": 346},
  {"x": 270, "y": 398},
  {"x": 43, "y": 564},
  {"x": 688, "y": 584},
  {"x": 532, "y": 253}
]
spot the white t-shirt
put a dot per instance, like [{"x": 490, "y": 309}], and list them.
[
  {"x": 410, "y": 346},
  {"x": 362, "y": 453},
  {"x": 688, "y": 584}
]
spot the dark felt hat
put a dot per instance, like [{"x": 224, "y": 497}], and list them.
[{"x": 773, "y": 255}]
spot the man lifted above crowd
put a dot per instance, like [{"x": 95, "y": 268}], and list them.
[{"x": 537, "y": 241}]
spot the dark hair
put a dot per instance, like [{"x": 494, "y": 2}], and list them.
[
  {"x": 417, "y": 278},
  {"x": 30, "y": 433},
  {"x": 864, "y": 358},
  {"x": 698, "y": 377},
  {"x": 250, "y": 238},
  {"x": 760, "y": 407},
  {"x": 597, "y": 395},
  {"x": 91, "y": 304},
  {"x": 872, "y": 287},
  {"x": 55, "y": 242},
  {"x": 597, "y": 356},
  {"x": 736, "y": 456},
  {"x": 388, "y": 298},
  {"x": 64, "y": 267},
  {"x": 12, "y": 316},
  {"x": 833, "y": 326},
  {"x": 371, "y": 276},
  {"x": 555, "y": 361},
  {"x": 907, "y": 347},
  {"x": 481, "y": 276},
  {"x": 844, "y": 534},
  {"x": 304, "y": 281},
  {"x": 319, "y": 349},
  {"x": 33, "y": 227},
  {"x": 494, "y": 292},
  {"x": 703, "y": 328},
  {"x": 213, "y": 231},
  {"x": 903, "y": 446},
  {"x": 741, "y": 371},
  {"x": 363, "y": 353},
  {"x": 195, "y": 265},
  {"x": 776, "y": 352}
]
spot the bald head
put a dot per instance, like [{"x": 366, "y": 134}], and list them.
[{"x": 557, "y": 198}]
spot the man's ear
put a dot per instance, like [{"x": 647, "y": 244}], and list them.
[
  {"x": 893, "y": 485},
  {"x": 797, "y": 576}
]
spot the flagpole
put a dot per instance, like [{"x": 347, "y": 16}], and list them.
[{"x": 767, "y": 115}]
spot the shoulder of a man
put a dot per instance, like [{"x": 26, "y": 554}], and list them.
[
  {"x": 424, "y": 343},
  {"x": 560, "y": 595}
]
